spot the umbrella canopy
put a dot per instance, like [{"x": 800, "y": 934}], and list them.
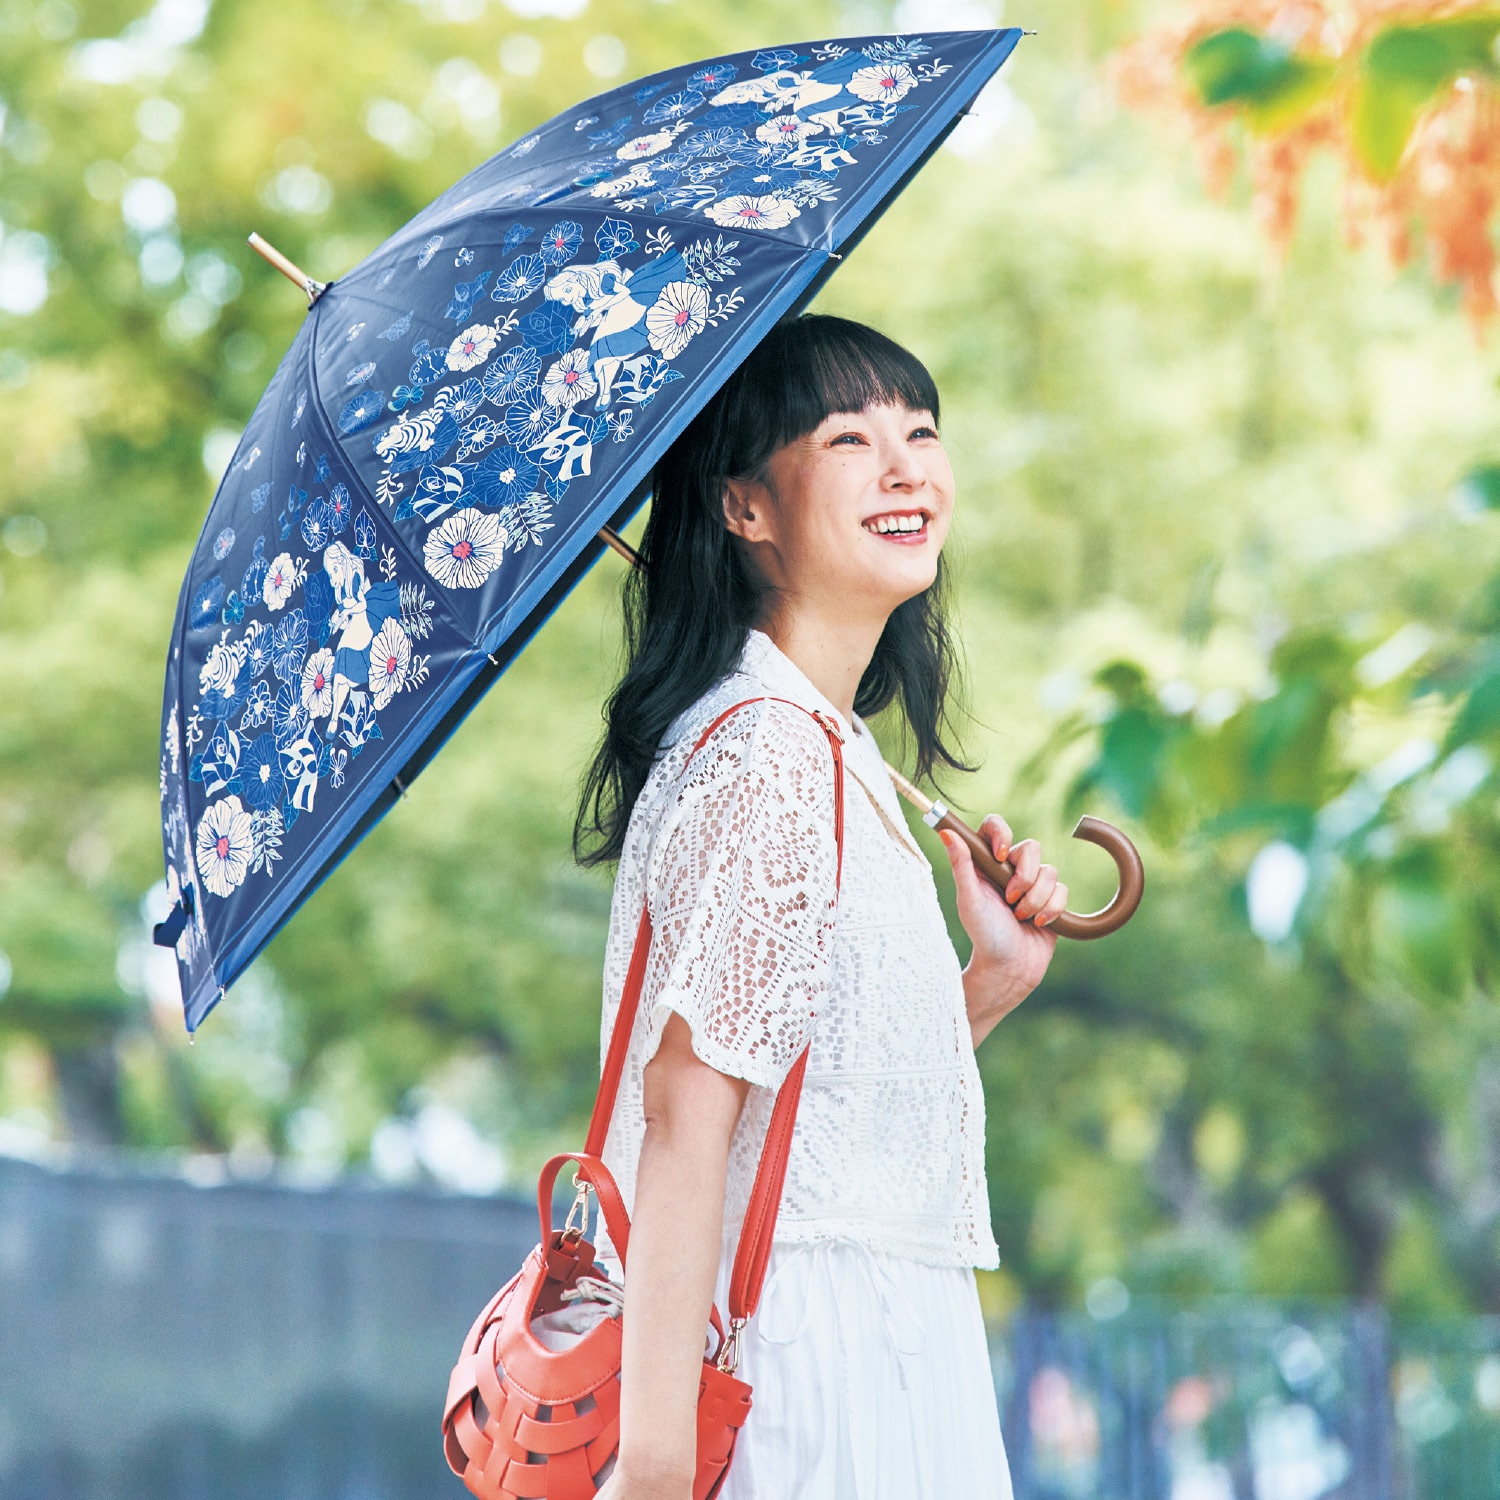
[{"x": 427, "y": 474}]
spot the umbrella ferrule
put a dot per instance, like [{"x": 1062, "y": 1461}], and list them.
[{"x": 289, "y": 268}]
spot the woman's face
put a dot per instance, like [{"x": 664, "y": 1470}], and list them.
[{"x": 853, "y": 514}]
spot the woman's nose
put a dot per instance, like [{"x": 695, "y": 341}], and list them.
[{"x": 902, "y": 471}]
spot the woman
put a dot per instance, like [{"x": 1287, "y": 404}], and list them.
[{"x": 793, "y": 553}]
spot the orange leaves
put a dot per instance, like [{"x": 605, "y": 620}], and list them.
[{"x": 1406, "y": 92}]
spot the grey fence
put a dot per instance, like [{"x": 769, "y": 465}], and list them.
[{"x": 160, "y": 1341}]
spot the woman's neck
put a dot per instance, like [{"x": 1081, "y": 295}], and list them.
[{"x": 831, "y": 653}]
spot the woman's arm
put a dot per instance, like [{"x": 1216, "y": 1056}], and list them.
[
  {"x": 742, "y": 880},
  {"x": 1012, "y": 946},
  {"x": 691, "y": 1112}
]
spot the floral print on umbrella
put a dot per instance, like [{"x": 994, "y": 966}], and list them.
[{"x": 565, "y": 333}]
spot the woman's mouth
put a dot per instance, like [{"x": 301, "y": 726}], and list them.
[{"x": 898, "y": 525}]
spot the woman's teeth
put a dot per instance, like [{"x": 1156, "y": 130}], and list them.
[{"x": 888, "y": 525}]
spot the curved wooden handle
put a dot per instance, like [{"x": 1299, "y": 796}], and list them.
[{"x": 1098, "y": 924}]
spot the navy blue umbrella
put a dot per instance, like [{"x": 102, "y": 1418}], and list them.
[{"x": 428, "y": 473}]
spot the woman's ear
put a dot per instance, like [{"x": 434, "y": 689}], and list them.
[{"x": 745, "y": 509}]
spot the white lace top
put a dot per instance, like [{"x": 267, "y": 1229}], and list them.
[{"x": 735, "y": 850}]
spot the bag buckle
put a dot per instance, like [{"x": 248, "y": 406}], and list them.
[
  {"x": 729, "y": 1351},
  {"x": 580, "y": 1209},
  {"x": 829, "y": 723}
]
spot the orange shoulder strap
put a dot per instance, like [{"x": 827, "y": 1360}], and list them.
[{"x": 754, "y": 1249}]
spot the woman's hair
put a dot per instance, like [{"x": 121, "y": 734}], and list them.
[{"x": 689, "y": 607}]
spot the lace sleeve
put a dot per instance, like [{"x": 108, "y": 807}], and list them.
[{"x": 741, "y": 882}]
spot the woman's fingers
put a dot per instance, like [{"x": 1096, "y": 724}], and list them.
[
  {"x": 1034, "y": 893},
  {"x": 1026, "y": 860},
  {"x": 1056, "y": 905},
  {"x": 997, "y": 831},
  {"x": 965, "y": 877},
  {"x": 1039, "y": 893}
]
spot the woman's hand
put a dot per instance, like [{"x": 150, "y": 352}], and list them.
[{"x": 1012, "y": 946}]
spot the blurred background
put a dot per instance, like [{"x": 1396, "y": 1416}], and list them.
[{"x": 1208, "y": 289}]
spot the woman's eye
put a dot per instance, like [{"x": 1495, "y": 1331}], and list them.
[
  {"x": 924, "y": 432},
  {"x": 849, "y": 437}
]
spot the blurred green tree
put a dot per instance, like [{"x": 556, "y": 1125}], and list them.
[{"x": 1199, "y": 494}]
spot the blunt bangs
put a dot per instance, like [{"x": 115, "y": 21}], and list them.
[{"x": 807, "y": 369}]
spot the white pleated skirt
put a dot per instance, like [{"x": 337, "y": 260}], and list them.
[{"x": 872, "y": 1381}]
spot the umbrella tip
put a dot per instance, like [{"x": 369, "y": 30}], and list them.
[{"x": 288, "y": 268}]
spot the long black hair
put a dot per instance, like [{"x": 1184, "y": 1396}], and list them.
[{"x": 689, "y": 607}]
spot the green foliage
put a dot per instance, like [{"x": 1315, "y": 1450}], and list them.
[
  {"x": 1197, "y": 500},
  {"x": 1398, "y": 74},
  {"x": 1265, "y": 77},
  {"x": 1479, "y": 717},
  {"x": 1480, "y": 488},
  {"x": 1406, "y": 67}
]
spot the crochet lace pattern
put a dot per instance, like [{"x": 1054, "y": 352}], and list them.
[{"x": 734, "y": 850}]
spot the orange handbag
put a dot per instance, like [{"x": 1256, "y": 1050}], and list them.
[{"x": 526, "y": 1418}]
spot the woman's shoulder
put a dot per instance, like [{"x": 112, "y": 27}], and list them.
[
  {"x": 737, "y": 727},
  {"x": 736, "y": 731}
]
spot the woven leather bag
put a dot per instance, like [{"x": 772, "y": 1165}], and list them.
[{"x": 528, "y": 1421}]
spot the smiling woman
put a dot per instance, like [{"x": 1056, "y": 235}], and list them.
[
  {"x": 689, "y": 607},
  {"x": 777, "y": 952}
]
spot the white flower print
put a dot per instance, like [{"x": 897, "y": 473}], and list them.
[
  {"x": 885, "y": 84},
  {"x": 679, "y": 312},
  {"x": 786, "y": 130},
  {"x": 281, "y": 579},
  {"x": 390, "y": 661},
  {"x": 745, "y": 212},
  {"x": 465, "y": 549},
  {"x": 477, "y": 436},
  {"x": 472, "y": 347},
  {"x": 746, "y": 91},
  {"x": 257, "y": 642},
  {"x": 223, "y": 666},
  {"x": 224, "y": 845},
  {"x": 317, "y": 683},
  {"x": 568, "y": 381},
  {"x": 645, "y": 145},
  {"x": 464, "y": 398}
]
